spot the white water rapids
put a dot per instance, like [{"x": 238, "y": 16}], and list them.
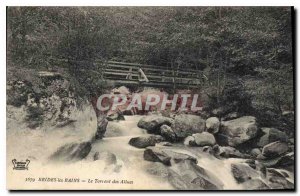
[
  {"x": 134, "y": 156},
  {"x": 38, "y": 145}
]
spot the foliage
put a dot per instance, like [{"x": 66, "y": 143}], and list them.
[
  {"x": 232, "y": 97},
  {"x": 225, "y": 43}
]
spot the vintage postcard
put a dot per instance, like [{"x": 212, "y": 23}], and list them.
[{"x": 150, "y": 98}]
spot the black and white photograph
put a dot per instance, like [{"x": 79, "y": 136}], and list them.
[{"x": 150, "y": 98}]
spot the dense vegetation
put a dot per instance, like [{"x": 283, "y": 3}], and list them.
[{"x": 250, "y": 47}]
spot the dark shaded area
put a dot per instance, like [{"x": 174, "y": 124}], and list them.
[{"x": 244, "y": 53}]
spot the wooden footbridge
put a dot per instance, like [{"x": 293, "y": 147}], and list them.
[
  {"x": 150, "y": 75},
  {"x": 146, "y": 75}
]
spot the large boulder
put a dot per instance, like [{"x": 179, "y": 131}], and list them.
[
  {"x": 72, "y": 152},
  {"x": 277, "y": 172},
  {"x": 212, "y": 125},
  {"x": 286, "y": 160},
  {"x": 187, "y": 124},
  {"x": 164, "y": 155},
  {"x": 255, "y": 184},
  {"x": 279, "y": 179},
  {"x": 243, "y": 172},
  {"x": 152, "y": 123},
  {"x": 227, "y": 152},
  {"x": 187, "y": 175},
  {"x": 204, "y": 139},
  {"x": 145, "y": 141},
  {"x": 238, "y": 131},
  {"x": 271, "y": 135},
  {"x": 167, "y": 132},
  {"x": 281, "y": 183},
  {"x": 274, "y": 149},
  {"x": 158, "y": 169}
]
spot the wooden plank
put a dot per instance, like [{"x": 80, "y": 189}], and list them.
[
  {"x": 133, "y": 65},
  {"x": 155, "y": 71},
  {"x": 154, "y": 81},
  {"x": 143, "y": 66},
  {"x": 169, "y": 77},
  {"x": 118, "y": 74},
  {"x": 155, "y": 84},
  {"x": 167, "y": 70},
  {"x": 150, "y": 76},
  {"x": 158, "y": 76}
]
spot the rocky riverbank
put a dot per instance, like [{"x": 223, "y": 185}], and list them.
[
  {"x": 184, "y": 150},
  {"x": 268, "y": 154},
  {"x": 48, "y": 101}
]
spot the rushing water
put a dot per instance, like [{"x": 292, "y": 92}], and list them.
[
  {"x": 38, "y": 145},
  {"x": 116, "y": 141}
]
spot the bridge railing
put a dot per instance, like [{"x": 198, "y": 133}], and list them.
[
  {"x": 128, "y": 73},
  {"x": 157, "y": 76}
]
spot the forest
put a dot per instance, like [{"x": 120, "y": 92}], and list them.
[{"x": 245, "y": 52}]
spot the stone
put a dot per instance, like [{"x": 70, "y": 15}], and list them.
[
  {"x": 261, "y": 157},
  {"x": 187, "y": 124},
  {"x": 189, "y": 141},
  {"x": 121, "y": 90},
  {"x": 255, "y": 184},
  {"x": 243, "y": 172},
  {"x": 276, "y": 186},
  {"x": 227, "y": 152},
  {"x": 271, "y": 135},
  {"x": 158, "y": 169},
  {"x": 72, "y": 152},
  {"x": 204, "y": 139},
  {"x": 116, "y": 116},
  {"x": 207, "y": 149},
  {"x": 187, "y": 175},
  {"x": 276, "y": 172},
  {"x": 145, "y": 141},
  {"x": 102, "y": 123},
  {"x": 282, "y": 181},
  {"x": 251, "y": 163},
  {"x": 152, "y": 123},
  {"x": 286, "y": 160},
  {"x": 212, "y": 125},
  {"x": 108, "y": 157},
  {"x": 274, "y": 149},
  {"x": 238, "y": 131},
  {"x": 163, "y": 155},
  {"x": 163, "y": 144},
  {"x": 255, "y": 152},
  {"x": 291, "y": 141},
  {"x": 178, "y": 182},
  {"x": 291, "y": 148},
  {"x": 257, "y": 166},
  {"x": 167, "y": 133}
]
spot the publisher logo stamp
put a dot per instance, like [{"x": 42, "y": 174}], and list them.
[{"x": 20, "y": 165}]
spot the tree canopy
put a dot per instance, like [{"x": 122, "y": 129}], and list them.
[{"x": 253, "y": 44}]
